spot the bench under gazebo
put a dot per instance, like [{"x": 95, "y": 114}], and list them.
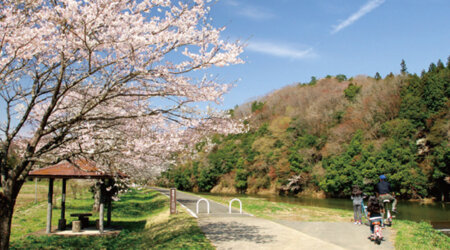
[{"x": 79, "y": 169}]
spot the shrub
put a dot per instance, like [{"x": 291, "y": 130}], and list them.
[
  {"x": 313, "y": 80},
  {"x": 257, "y": 106},
  {"x": 241, "y": 180},
  {"x": 351, "y": 91},
  {"x": 341, "y": 77}
]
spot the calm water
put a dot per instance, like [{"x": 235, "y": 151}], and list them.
[{"x": 438, "y": 214}]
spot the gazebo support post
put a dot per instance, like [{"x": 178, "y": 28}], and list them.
[
  {"x": 62, "y": 221},
  {"x": 102, "y": 208},
  {"x": 49, "y": 206},
  {"x": 108, "y": 215},
  {"x": 108, "y": 202}
]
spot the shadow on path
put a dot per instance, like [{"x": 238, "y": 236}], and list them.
[{"x": 235, "y": 231}]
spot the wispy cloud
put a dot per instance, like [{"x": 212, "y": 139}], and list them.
[
  {"x": 368, "y": 7},
  {"x": 232, "y": 3},
  {"x": 281, "y": 50},
  {"x": 253, "y": 12}
]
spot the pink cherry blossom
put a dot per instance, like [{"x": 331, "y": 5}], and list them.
[{"x": 109, "y": 80}]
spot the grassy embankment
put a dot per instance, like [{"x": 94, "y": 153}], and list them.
[
  {"x": 413, "y": 235},
  {"x": 143, "y": 215},
  {"x": 408, "y": 234}
]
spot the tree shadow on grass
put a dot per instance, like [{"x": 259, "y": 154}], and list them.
[
  {"x": 138, "y": 197},
  {"x": 80, "y": 207},
  {"x": 130, "y": 225},
  {"x": 136, "y": 209}
]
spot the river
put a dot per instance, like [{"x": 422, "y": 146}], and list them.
[{"x": 438, "y": 213}]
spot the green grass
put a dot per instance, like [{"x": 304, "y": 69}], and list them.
[
  {"x": 143, "y": 215},
  {"x": 30, "y": 217},
  {"x": 284, "y": 211},
  {"x": 413, "y": 235}
]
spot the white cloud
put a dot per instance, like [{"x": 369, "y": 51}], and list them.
[
  {"x": 280, "y": 50},
  {"x": 250, "y": 11},
  {"x": 255, "y": 13},
  {"x": 232, "y": 3},
  {"x": 368, "y": 7}
]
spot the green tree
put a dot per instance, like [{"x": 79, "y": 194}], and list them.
[
  {"x": 398, "y": 129},
  {"x": 378, "y": 76},
  {"x": 434, "y": 92},
  {"x": 241, "y": 180},
  {"x": 361, "y": 164},
  {"x": 341, "y": 77},
  {"x": 351, "y": 91},
  {"x": 403, "y": 68},
  {"x": 441, "y": 170},
  {"x": 440, "y": 65},
  {"x": 257, "y": 106},
  {"x": 296, "y": 161}
]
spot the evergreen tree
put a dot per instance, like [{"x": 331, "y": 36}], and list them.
[
  {"x": 377, "y": 76},
  {"x": 440, "y": 65},
  {"x": 403, "y": 69},
  {"x": 432, "y": 68}
]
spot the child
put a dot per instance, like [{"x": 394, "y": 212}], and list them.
[
  {"x": 373, "y": 210},
  {"x": 357, "y": 200}
]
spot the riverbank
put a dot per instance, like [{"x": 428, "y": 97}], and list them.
[
  {"x": 306, "y": 194},
  {"x": 143, "y": 216},
  {"x": 406, "y": 234}
]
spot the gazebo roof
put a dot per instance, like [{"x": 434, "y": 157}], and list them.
[{"x": 80, "y": 169}]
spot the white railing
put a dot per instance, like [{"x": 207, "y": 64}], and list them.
[
  {"x": 240, "y": 205},
  {"x": 207, "y": 204}
]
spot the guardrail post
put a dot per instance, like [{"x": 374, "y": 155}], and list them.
[
  {"x": 207, "y": 204},
  {"x": 231, "y": 202}
]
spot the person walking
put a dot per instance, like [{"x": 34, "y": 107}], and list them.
[
  {"x": 357, "y": 197},
  {"x": 383, "y": 190}
]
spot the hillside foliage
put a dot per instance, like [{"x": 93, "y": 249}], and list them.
[{"x": 319, "y": 139}]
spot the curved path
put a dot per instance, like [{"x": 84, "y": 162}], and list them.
[{"x": 245, "y": 231}]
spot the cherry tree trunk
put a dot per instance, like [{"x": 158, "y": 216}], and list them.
[
  {"x": 7, "y": 202},
  {"x": 6, "y": 213}
]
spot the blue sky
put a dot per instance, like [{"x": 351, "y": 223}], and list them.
[{"x": 289, "y": 41}]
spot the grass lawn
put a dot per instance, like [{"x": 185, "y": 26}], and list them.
[
  {"x": 143, "y": 215},
  {"x": 413, "y": 235}
]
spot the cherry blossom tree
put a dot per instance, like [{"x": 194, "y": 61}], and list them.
[{"x": 105, "y": 79}]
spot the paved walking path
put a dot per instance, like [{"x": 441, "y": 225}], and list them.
[
  {"x": 344, "y": 234},
  {"x": 190, "y": 202},
  {"x": 244, "y": 231}
]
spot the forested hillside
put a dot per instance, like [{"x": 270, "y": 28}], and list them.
[{"x": 320, "y": 138}]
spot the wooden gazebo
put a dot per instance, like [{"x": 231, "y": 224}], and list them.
[{"x": 79, "y": 169}]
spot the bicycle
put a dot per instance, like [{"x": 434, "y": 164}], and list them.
[
  {"x": 388, "y": 219},
  {"x": 377, "y": 231}
]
